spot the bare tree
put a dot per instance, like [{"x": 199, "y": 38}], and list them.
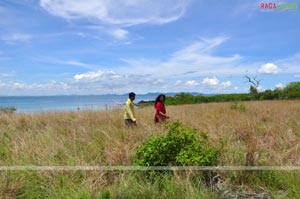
[{"x": 255, "y": 82}]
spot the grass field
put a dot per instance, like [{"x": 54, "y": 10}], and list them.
[{"x": 265, "y": 133}]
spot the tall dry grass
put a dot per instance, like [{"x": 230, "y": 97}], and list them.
[
  {"x": 267, "y": 133},
  {"x": 268, "y": 130}
]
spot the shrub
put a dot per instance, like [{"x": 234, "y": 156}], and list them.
[
  {"x": 10, "y": 109},
  {"x": 238, "y": 106},
  {"x": 182, "y": 146}
]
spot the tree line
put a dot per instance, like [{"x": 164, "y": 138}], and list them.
[{"x": 290, "y": 91}]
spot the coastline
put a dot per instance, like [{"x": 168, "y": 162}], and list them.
[{"x": 31, "y": 104}]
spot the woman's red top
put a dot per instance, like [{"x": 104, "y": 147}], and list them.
[{"x": 160, "y": 107}]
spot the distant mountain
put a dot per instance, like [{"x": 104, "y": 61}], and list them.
[{"x": 174, "y": 93}]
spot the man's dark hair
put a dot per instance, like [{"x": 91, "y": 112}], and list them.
[{"x": 132, "y": 94}]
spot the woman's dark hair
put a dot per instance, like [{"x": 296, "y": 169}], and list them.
[{"x": 158, "y": 99}]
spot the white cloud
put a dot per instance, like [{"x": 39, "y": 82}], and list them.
[
  {"x": 156, "y": 74},
  {"x": 198, "y": 57},
  {"x": 119, "y": 34},
  {"x": 111, "y": 17},
  {"x": 279, "y": 86},
  {"x": 297, "y": 75},
  {"x": 226, "y": 84},
  {"x": 118, "y": 12},
  {"x": 110, "y": 81},
  {"x": 200, "y": 53},
  {"x": 74, "y": 62},
  {"x": 77, "y": 63},
  {"x": 202, "y": 46},
  {"x": 191, "y": 83},
  {"x": 210, "y": 81},
  {"x": 216, "y": 84},
  {"x": 96, "y": 76},
  {"x": 268, "y": 68},
  {"x": 115, "y": 32},
  {"x": 186, "y": 65},
  {"x": 19, "y": 85},
  {"x": 16, "y": 37},
  {"x": 52, "y": 87},
  {"x": 193, "y": 60}
]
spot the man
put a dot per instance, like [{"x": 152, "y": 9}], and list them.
[{"x": 129, "y": 116}]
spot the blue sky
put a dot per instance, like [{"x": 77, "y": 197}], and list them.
[{"x": 53, "y": 47}]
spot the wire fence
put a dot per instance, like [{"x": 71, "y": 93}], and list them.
[
  {"x": 101, "y": 106},
  {"x": 150, "y": 168}
]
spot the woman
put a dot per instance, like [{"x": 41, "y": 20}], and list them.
[{"x": 161, "y": 113}]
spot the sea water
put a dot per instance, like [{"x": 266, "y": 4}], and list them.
[{"x": 69, "y": 102}]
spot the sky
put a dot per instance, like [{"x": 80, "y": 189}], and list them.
[{"x": 67, "y": 47}]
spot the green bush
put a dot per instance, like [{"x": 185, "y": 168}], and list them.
[
  {"x": 238, "y": 106},
  {"x": 10, "y": 109},
  {"x": 182, "y": 146}
]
